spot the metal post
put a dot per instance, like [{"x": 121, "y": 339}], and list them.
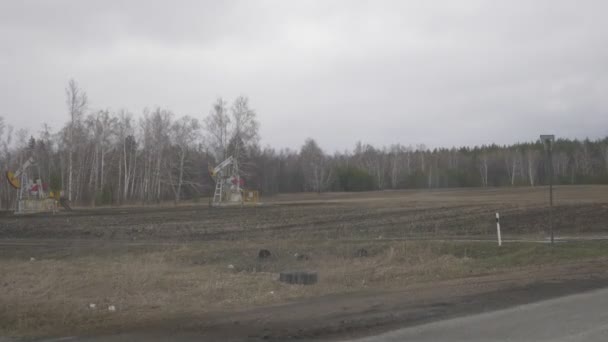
[
  {"x": 551, "y": 189},
  {"x": 547, "y": 140}
]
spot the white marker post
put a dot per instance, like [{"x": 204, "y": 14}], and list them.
[{"x": 498, "y": 229}]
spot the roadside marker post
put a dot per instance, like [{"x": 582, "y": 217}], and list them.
[{"x": 498, "y": 230}]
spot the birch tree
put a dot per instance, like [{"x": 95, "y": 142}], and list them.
[
  {"x": 5, "y": 141},
  {"x": 532, "y": 159},
  {"x": 155, "y": 128},
  {"x": 127, "y": 146},
  {"x": 77, "y": 101},
  {"x": 316, "y": 166},
  {"x": 185, "y": 134},
  {"x": 396, "y": 162},
  {"x": 513, "y": 163},
  {"x": 483, "y": 168},
  {"x": 245, "y": 123},
  {"x": 216, "y": 125},
  {"x": 102, "y": 127},
  {"x": 244, "y": 135},
  {"x": 604, "y": 154}
]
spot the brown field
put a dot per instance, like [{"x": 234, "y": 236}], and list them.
[{"x": 160, "y": 265}]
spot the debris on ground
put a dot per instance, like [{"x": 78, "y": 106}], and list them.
[
  {"x": 264, "y": 253},
  {"x": 111, "y": 308},
  {"x": 361, "y": 253},
  {"x": 298, "y": 277},
  {"x": 92, "y": 306},
  {"x": 299, "y": 256}
]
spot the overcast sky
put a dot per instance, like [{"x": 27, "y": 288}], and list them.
[{"x": 441, "y": 73}]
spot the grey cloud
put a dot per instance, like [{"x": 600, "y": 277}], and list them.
[{"x": 439, "y": 73}]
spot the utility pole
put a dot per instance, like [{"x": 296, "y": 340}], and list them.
[{"x": 548, "y": 140}]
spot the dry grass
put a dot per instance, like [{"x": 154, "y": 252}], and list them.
[
  {"x": 52, "y": 295},
  {"x": 117, "y": 257},
  {"x": 48, "y": 295}
]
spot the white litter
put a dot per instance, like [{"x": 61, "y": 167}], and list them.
[
  {"x": 32, "y": 259},
  {"x": 231, "y": 266},
  {"x": 111, "y": 308},
  {"x": 92, "y": 306}
]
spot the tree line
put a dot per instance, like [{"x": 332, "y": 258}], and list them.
[{"x": 104, "y": 157}]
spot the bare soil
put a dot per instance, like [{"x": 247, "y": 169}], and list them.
[
  {"x": 458, "y": 212},
  {"x": 338, "y": 317},
  {"x": 191, "y": 269}
]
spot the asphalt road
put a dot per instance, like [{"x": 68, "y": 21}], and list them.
[{"x": 580, "y": 317}]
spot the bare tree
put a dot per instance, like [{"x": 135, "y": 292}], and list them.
[
  {"x": 396, "y": 161},
  {"x": 582, "y": 159},
  {"x": 155, "y": 128},
  {"x": 245, "y": 124},
  {"x": 102, "y": 128},
  {"x": 185, "y": 134},
  {"x": 483, "y": 168},
  {"x": 422, "y": 149},
  {"x": 217, "y": 124},
  {"x": 316, "y": 166},
  {"x": 532, "y": 158},
  {"x": 513, "y": 163},
  {"x": 77, "y": 104},
  {"x": 127, "y": 146},
  {"x": 4, "y": 142},
  {"x": 45, "y": 152},
  {"x": 604, "y": 153},
  {"x": 374, "y": 161},
  {"x": 243, "y": 135}
]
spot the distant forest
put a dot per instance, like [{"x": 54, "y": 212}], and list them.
[{"x": 103, "y": 157}]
